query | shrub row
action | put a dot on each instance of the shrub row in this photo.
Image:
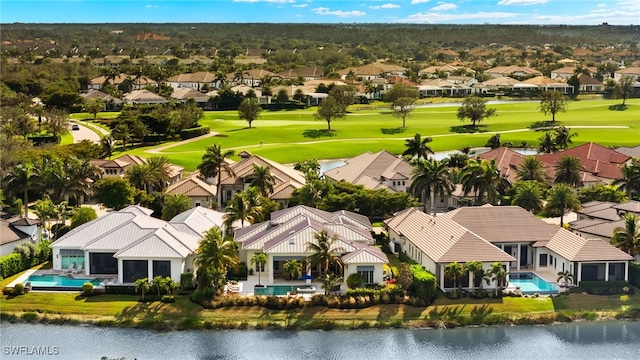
(603, 288)
(285, 105)
(194, 132)
(423, 285)
(44, 139)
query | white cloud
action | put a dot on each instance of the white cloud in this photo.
(300, 6)
(438, 17)
(385, 6)
(151, 6)
(414, 2)
(339, 13)
(602, 5)
(444, 7)
(521, 2)
(632, 5)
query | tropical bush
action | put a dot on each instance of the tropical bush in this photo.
(634, 274)
(355, 280)
(603, 288)
(18, 289)
(87, 289)
(11, 264)
(194, 132)
(186, 281)
(168, 299)
(424, 284)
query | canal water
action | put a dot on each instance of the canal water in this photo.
(583, 340)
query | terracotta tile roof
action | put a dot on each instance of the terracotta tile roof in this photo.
(597, 159)
(188, 93)
(632, 70)
(513, 69)
(507, 161)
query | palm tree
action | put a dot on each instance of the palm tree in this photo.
(454, 271)
(417, 147)
(174, 204)
(329, 281)
(262, 179)
(140, 176)
(159, 283)
(566, 277)
(560, 200)
(159, 167)
(123, 133)
(483, 177)
(528, 195)
(430, 178)
(498, 274)
(242, 207)
(214, 255)
(627, 238)
(141, 285)
(568, 170)
(22, 178)
(547, 144)
(214, 161)
(563, 136)
(292, 269)
(107, 146)
(325, 252)
(531, 168)
(260, 259)
(79, 178)
(630, 180)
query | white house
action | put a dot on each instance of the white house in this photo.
(15, 231)
(130, 244)
(287, 235)
(506, 234)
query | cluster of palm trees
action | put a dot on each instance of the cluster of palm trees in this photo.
(152, 175)
(558, 139)
(455, 271)
(326, 254)
(56, 177)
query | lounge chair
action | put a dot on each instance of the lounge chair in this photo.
(79, 269)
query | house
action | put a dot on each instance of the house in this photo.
(110, 103)
(199, 192)
(513, 70)
(306, 73)
(589, 84)
(506, 159)
(547, 84)
(506, 234)
(381, 170)
(568, 71)
(118, 167)
(130, 244)
(184, 94)
(372, 71)
(143, 97)
(193, 80)
(598, 161)
(136, 83)
(287, 234)
(286, 179)
(15, 231)
(633, 71)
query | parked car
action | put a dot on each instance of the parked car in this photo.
(75, 127)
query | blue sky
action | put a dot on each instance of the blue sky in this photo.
(571, 12)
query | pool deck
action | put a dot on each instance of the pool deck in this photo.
(246, 287)
(544, 275)
(24, 277)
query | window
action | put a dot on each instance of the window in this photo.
(103, 263)
(133, 270)
(543, 259)
(162, 268)
(366, 272)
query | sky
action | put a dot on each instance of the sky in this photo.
(569, 12)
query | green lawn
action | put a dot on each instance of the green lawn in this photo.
(376, 129)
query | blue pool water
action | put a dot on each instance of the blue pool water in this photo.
(531, 283)
(278, 289)
(59, 281)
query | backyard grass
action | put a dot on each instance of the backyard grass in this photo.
(376, 129)
(582, 302)
(66, 139)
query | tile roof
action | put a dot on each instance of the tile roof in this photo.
(192, 186)
(575, 248)
(629, 206)
(9, 234)
(597, 159)
(196, 77)
(597, 227)
(507, 161)
(630, 151)
(442, 240)
(188, 93)
(371, 169)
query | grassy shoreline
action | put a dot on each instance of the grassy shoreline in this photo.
(125, 311)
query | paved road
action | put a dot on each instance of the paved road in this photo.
(85, 132)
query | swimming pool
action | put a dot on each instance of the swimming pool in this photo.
(57, 281)
(277, 289)
(531, 283)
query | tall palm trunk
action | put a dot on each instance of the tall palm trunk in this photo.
(26, 203)
(219, 189)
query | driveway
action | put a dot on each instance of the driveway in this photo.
(86, 133)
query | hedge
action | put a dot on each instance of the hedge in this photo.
(285, 105)
(424, 284)
(603, 287)
(12, 264)
(194, 132)
(45, 139)
(634, 274)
